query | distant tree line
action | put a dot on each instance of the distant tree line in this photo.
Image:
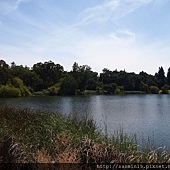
(50, 78)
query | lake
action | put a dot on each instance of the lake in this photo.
(144, 115)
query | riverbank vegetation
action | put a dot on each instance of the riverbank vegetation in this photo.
(49, 78)
(38, 137)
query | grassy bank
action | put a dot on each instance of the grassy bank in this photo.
(37, 137)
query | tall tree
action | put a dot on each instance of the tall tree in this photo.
(83, 75)
(160, 76)
(49, 72)
(68, 86)
(168, 77)
(4, 72)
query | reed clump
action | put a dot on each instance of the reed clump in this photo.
(28, 136)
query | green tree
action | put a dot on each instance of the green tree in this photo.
(84, 76)
(68, 86)
(4, 72)
(168, 77)
(148, 79)
(29, 78)
(34, 81)
(49, 72)
(108, 76)
(160, 76)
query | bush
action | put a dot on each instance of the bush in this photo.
(144, 87)
(154, 89)
(9, 91)
(53, 90)
(99, 90)
(120, 90)
(25, 91)
(165, 89)
(18, 83)
(16, 89)
(110, 88)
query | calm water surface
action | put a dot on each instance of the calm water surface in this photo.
(144, 115)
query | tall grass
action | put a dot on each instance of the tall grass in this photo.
(36, 136)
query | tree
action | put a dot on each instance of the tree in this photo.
(148, 79)
(160, 76)
(68, 86)
(13, 64)
(92, 81)
(4, 72)
(75, 67)
(83, 75)
(108, 76)
(29, 77)
(49, 72)
(168, 77)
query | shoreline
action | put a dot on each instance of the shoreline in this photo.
(37, 137)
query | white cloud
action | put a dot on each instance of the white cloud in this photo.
(119, 52)
(123, 34)
(110, 9)
(8, 6)
(119, 48)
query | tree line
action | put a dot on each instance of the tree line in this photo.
(51, 78)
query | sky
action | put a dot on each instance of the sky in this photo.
(131, 35)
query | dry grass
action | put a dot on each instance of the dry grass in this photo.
(88, 151)
(12, 151)
(47, 138)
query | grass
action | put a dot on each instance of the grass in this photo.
(133, 92)
(38, 137)
(90, 92)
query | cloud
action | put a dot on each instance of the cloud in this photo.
(8, 6)
(110, 10)
(124, 51)
(116, 47)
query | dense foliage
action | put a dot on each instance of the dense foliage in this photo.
(50, 78)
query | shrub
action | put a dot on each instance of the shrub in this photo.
(18, 83)
(165, 89)
(119, 90)
(9, 91)
(25, 91)
(53, 90)
(144, 87)
(154, 89)
(110, 88)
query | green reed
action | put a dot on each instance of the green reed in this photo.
(37, 136)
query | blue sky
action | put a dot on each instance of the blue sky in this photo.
(117, 34)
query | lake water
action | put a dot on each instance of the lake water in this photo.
(144, 115)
